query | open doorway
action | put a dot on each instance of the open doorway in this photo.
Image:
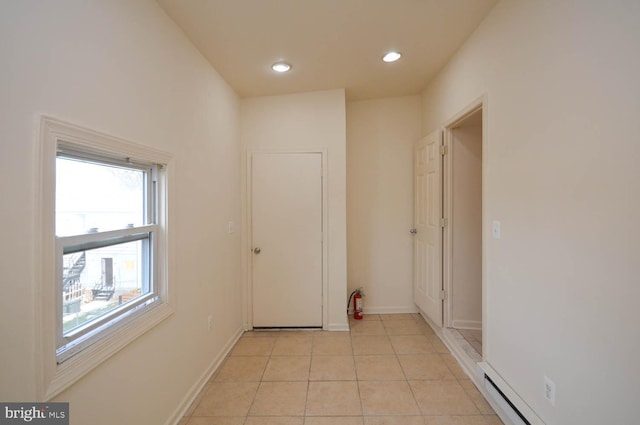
(462, 238)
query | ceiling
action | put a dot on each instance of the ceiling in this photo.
(330, 44)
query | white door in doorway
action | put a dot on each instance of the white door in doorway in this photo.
(286, 232)
(427, 249)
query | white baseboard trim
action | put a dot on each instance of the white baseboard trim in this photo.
(467, 324)
(470, 367)
(193, 392)
(339, 327)
(388, 310)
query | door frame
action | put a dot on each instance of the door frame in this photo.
(447, 204)
(247, 293)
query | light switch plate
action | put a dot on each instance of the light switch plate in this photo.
(496, 230)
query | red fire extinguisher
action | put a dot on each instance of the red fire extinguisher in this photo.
(357, 306)
(357, 303)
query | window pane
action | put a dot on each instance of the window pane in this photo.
(94, 197)
(99, 280)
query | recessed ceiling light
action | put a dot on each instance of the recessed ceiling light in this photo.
(391, 56)
(281, 67)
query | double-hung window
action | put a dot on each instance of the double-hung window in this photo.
(106, 230)
(110, 254)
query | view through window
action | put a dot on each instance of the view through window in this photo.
(105, 224)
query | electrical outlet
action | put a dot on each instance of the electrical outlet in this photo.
(210, 322)
(231, 227)
(550, 391)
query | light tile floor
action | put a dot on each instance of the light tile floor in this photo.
(389, 369)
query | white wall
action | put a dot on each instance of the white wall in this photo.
(122, 68)
(302, 121)
(562, 176)
(466, 227)
(380, 138)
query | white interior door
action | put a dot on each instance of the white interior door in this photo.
(286, 219)
(428, 238)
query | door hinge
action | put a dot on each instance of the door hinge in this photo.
(444, 149)
(443, 295)
(443, 222)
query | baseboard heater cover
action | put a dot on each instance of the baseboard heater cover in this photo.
(511, 404)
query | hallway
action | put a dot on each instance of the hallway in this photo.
(389, 369)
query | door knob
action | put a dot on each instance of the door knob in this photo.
(256, 250)
(414, 231)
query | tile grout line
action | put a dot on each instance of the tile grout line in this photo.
(306, 399)
(355, 370)
(415, 400)
(395, 353)
(255, 395)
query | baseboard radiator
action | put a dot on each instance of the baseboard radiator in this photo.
(515, 409)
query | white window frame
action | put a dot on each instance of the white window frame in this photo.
(64, 360)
